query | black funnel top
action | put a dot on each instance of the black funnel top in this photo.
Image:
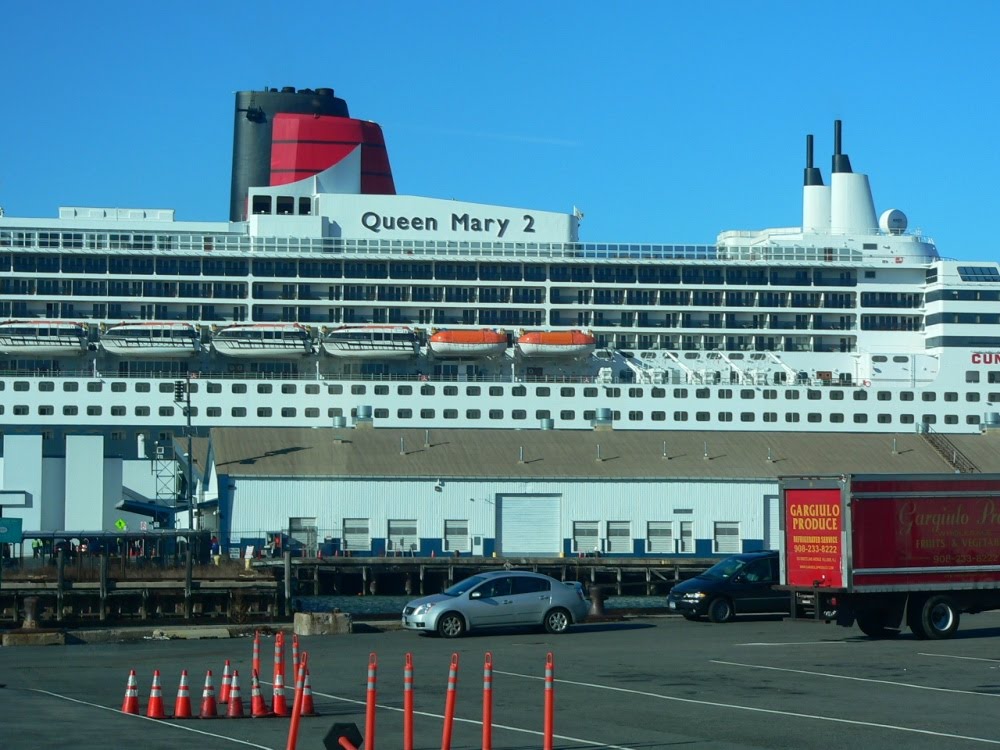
(841, 162)
(812, 174)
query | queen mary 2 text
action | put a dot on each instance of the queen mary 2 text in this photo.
(815, 517)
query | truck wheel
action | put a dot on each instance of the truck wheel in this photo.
(873, 625)
(720, 610)
(939, 617)
(914, 619)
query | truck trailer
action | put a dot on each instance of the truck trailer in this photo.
(884, 550)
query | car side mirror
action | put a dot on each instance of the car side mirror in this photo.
(476, 595)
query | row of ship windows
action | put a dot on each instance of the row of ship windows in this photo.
(566, 415)
(790, 394)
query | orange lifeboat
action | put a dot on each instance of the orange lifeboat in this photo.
(556, 344)
(468, 344)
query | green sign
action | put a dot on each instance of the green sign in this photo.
(10, 530)
(121, 525)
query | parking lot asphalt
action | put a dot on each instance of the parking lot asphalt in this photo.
(640, 684)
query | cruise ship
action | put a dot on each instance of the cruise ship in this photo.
(327, 298)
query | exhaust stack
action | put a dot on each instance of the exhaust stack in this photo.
(815, 195)
(852, 209)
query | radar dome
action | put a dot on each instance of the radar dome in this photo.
(892, 221)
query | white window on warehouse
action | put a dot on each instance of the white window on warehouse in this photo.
(402, 537)
(456, 535)
(660, 537)
(685, 544)
(726, 537)
(356, 535)
(619, 537)
(585, 538)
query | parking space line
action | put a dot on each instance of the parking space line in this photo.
(146, 718)
(754, 709)
(967, 658)
(790, 643)
(857, 679)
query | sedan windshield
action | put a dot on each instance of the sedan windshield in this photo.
(462, 586)
(724, 568)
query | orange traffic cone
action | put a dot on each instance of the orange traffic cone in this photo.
(131, 703)
(208, 708)
(155, 708)
(182, 705)
(279, 706)
(258, 708)
(227, 678)
(307, 697)
(235, 701)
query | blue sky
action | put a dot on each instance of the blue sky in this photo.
(663, 122)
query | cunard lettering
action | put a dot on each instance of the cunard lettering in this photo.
(376, 223)
(986, 358)
(466, 223)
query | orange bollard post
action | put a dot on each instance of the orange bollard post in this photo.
(488, 702)
(408, 703)
(227, 683)
(209, 710)
(131, 703)
(449, 703)
(550, 700)
(295, 654)
(182, 704)
(155, 708)
(293, 726)
(255, 663)
(370, 704)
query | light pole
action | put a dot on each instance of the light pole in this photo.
(182, 395)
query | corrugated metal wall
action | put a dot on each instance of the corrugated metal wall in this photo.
(265, 505)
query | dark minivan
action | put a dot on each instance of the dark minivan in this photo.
(738, 585)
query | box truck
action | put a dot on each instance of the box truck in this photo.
(890, 550)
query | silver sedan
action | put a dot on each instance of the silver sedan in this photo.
(501, 599)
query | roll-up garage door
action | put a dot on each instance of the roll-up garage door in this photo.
(529, 525)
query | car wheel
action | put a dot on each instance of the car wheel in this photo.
(451, 625)
(557, 621)
(939, 617)
(720, 610)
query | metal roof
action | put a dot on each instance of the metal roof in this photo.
(582, 454)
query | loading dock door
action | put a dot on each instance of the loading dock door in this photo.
(529, 525)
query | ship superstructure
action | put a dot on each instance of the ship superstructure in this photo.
(327, 297)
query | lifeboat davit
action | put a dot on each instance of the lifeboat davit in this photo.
(468, 344)
(555, 344)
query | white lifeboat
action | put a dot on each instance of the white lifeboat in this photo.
(469, 344)
(263, 341)
(555, 344)
(371, 342)
(43, 338)
(151, 339)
